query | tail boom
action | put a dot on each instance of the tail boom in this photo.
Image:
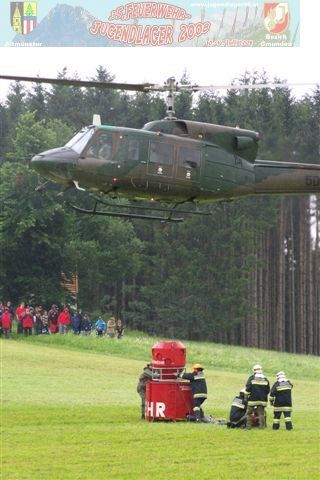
(286, 178)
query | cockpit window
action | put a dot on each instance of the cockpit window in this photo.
(80, 140)
(101, 147)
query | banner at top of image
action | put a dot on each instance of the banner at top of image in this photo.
(181, 23)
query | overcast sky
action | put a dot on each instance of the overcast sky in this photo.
(205, 66)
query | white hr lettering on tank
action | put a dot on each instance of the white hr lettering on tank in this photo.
(158, 407)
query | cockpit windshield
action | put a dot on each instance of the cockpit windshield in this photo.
(80, 140)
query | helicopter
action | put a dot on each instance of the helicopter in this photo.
(169, 161)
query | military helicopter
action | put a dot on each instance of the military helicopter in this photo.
(169, 161)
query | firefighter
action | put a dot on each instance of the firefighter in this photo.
(237, 417)
(144, 378)
(199, 389)
(280, 399)
(257, 390)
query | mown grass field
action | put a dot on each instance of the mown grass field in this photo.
(70, 411)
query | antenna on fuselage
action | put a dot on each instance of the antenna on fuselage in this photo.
(96, 120)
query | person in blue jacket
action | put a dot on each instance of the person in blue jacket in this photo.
(76, 322)
(100, 327)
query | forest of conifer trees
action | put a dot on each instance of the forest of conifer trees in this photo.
(247, 275)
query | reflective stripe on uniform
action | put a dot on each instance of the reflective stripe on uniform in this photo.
(238, 405)
(200, 395)
(275, 420)
(281, 389)
(282, 409)
(287, 419)
(259, 382)
(257, 403)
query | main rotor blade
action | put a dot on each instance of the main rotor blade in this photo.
(257, 86)
(149, 87)
(139, 87)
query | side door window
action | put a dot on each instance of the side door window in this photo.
(160, 159)
(133, 149)
(188, 163)
(136, 159)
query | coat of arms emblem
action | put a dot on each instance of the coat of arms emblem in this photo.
(276, 17)
(23, 17)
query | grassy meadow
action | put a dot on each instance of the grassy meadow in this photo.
(69, 411)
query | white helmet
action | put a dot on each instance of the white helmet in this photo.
(281, 376)
(257, 368)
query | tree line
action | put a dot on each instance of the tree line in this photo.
(248, 275)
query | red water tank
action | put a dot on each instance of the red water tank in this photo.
(168, 398)
(167, 357)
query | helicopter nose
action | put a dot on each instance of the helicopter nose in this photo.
(40, 164)
(56, 164)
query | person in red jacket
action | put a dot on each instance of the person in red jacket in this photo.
(20, 311)
(27, 322)
(64, 320)
(6, 322)
(53, 319)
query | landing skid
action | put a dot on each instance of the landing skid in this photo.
(165, 218)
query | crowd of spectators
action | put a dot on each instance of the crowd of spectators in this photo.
(36, 319)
